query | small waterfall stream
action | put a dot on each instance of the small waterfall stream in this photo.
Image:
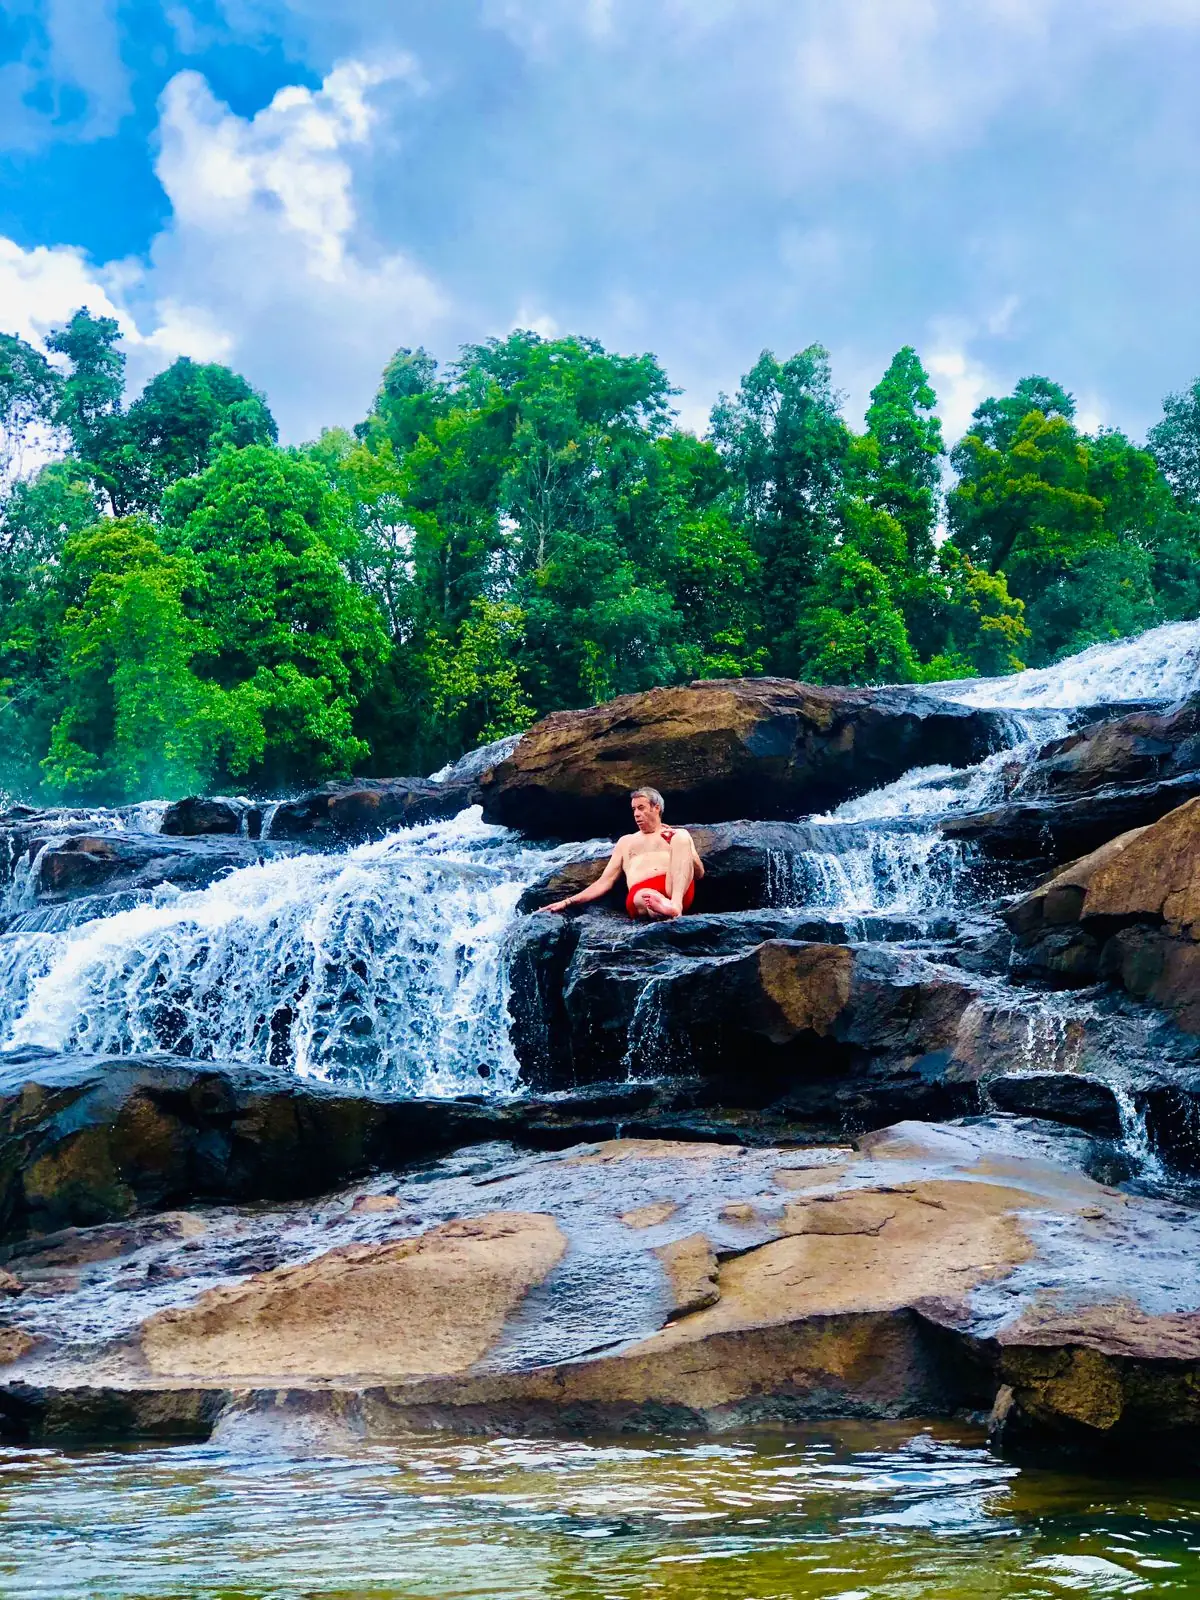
(383, 966)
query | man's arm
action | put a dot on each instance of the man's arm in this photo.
(598, 889)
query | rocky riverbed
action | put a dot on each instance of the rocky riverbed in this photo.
(308, 1112)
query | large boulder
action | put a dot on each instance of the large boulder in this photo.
(596, 997)
(634, 1285)
(1129, 913)
(764, 748)
(86, 1139)
(65, 869)
(1079, 791)
(1144, 747)
(347, 813)
(204, 814)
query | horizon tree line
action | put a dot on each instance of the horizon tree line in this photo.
(185, 604)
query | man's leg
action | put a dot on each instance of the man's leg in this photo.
(680, 873)
(650, 903)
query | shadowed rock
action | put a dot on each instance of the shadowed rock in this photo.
(1129, 913)
(367, 809)
(104, 863)
(761, 748)
(212, 814)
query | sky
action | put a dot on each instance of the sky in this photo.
(298, 187)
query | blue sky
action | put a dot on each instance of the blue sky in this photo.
(299, 186)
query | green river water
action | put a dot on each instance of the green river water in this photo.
(832, 1513)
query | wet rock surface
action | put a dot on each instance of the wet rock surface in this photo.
(761, 748)
(351, 812)
(49, 867)
(86, 1140)
(1129, 913)
(638, 1285)
(203, 814)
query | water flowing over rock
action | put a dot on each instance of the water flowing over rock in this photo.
(1130, 912)
(638, 1285)
(195, 1017)
(765, 748)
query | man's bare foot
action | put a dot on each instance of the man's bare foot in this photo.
(649, 903)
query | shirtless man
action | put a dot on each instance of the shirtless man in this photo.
(660, 864)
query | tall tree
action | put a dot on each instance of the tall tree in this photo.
(268, 536)
(189, 412)
(785, 444)
(1175, 444)
(901, 474)
(30, 392)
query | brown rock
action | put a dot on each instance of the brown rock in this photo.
(14, 1343)
(431, 1305)
(650, 1216)
(691, 1268)
(724, 749)
(1139, 748)
(1133, 908)
(1156, 876)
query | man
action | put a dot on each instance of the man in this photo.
(660, 864)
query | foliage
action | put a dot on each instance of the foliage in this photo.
(183, 603)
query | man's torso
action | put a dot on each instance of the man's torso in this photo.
(646, 856)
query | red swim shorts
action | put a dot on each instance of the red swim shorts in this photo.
(660, 884)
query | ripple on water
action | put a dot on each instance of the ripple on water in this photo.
(826, 1513)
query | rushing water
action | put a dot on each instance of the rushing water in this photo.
(384, 966)
(832, 1513)
(381, 965)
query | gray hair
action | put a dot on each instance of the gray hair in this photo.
(655, 799)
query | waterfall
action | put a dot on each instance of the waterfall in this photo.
(383, 966)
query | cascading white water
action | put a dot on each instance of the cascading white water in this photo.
(910, 870)
(1162, 664)
(383, 966)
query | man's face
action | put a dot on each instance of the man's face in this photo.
(646, 817)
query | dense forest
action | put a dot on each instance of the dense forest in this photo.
(185, 604)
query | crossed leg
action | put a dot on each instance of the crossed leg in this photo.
(680, 873)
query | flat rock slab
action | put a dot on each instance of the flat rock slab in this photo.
(638, 1285)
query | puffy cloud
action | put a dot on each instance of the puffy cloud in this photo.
(262, 263)
(67, 76)
(266, 237)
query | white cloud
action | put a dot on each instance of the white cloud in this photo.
(961, 384)
(69, 77)
(262, 263)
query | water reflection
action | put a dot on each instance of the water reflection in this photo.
(840, 1514)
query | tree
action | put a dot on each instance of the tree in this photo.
(901, 474)
(90, 408)
(785, 445)
(30, 392)
(1083, 527)
(266, 535)
(1175, 444)
(476, 693)
(136, 720)
(189, 412)
(853, 631)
